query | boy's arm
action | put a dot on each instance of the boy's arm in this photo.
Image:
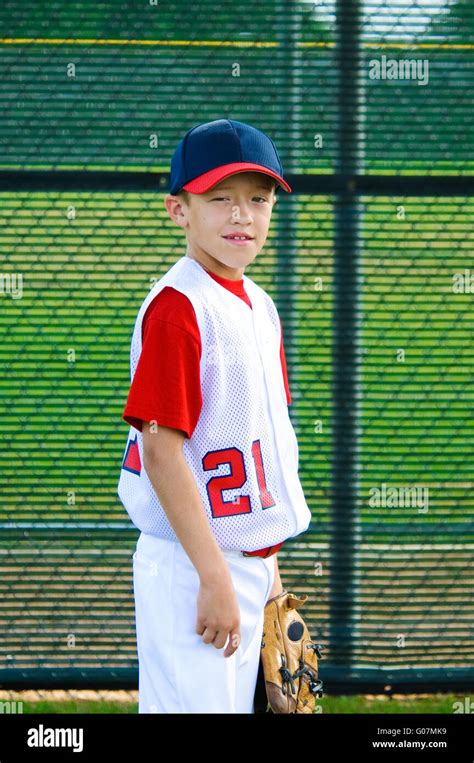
(176, 488)
(218, 614)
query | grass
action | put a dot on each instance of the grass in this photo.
(346, 704)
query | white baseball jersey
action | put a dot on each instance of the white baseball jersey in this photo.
(243, 452)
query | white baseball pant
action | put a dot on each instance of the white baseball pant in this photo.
(178, 672)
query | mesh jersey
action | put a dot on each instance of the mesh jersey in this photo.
(243, 451)
(166, 386)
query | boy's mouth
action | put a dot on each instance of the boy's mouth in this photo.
(240, 239)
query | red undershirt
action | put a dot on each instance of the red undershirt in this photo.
(166, 387)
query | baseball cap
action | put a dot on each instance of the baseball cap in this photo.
(212, 151)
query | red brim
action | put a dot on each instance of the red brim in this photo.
(209, 179)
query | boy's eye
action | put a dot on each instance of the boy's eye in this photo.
(225, 198)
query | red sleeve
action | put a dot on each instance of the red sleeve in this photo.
(166, 387)
(283, 368)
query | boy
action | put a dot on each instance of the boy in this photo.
(210, 471)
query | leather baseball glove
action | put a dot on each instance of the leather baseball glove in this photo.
(288, 656)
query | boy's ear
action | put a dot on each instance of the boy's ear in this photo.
(175, 211)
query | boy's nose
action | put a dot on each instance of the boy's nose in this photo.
(241, 212)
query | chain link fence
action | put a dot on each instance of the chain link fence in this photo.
(369, 261)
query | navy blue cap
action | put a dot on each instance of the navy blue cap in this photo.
(212, 151)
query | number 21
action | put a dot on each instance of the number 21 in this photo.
(237, 478)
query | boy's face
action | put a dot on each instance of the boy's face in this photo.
(240, 204)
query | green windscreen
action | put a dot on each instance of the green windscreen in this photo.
(91, 88)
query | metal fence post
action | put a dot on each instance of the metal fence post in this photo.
(288, 138)
(344, 533)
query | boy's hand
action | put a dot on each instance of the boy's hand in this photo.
(218, 615)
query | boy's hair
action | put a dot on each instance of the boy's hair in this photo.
(186, 195)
